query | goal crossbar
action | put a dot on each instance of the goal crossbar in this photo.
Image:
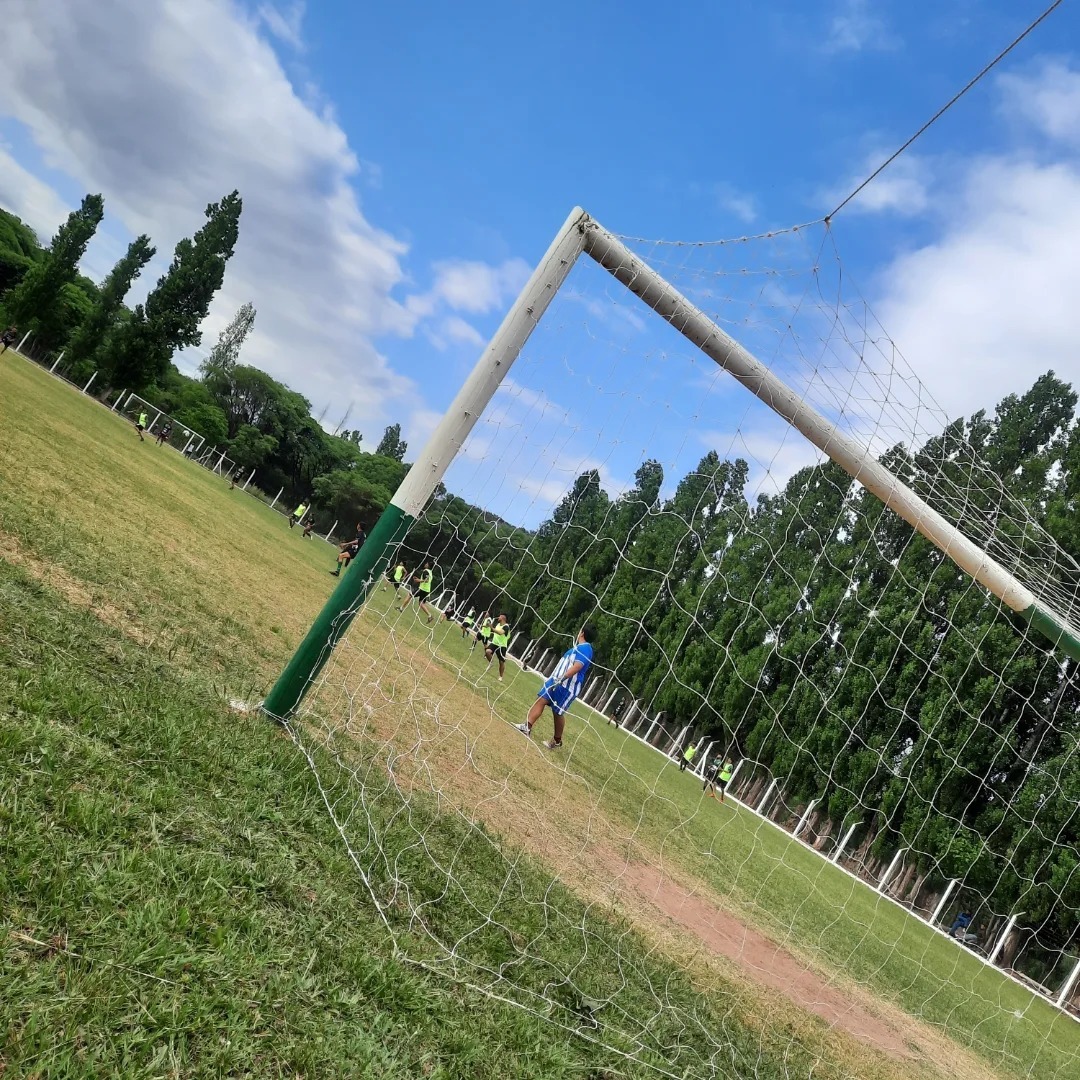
(582, 234)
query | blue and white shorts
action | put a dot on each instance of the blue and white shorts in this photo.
(559, 697)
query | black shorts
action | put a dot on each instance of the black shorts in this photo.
(499, 651)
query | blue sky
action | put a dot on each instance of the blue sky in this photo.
(403, 165)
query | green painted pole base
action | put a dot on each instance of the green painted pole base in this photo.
(338, 613)
(1052, 627)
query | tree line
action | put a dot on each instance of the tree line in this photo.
(819, 636)
(256, 420)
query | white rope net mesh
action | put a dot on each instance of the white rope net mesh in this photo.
(747, 599)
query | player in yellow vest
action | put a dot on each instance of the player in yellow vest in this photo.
(500, 642)
(298, 515)
(483, 633)
(725, 775)
(422, 591)
(467, 622)
(398, 574)
(687, 757)
(713, 780)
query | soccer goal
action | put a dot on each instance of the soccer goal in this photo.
(181, 437)
(860, 614)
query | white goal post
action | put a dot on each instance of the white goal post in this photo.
(583, 234)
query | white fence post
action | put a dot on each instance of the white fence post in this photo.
(765, 798)
(1070, 982)
(607, 704)
(703, 758)
(840, 848)
(652, 728)
(221, 461)
(276, 497)
(805, 817)
(889, 871)
(248, 480)
(734, 773)
(676, 745)
(995, 952)
(57, 360)
(18, 348)
(118, 400)
(943, 901)
(88, 382)
(331, 532)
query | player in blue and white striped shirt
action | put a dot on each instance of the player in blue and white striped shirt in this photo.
(559, 691)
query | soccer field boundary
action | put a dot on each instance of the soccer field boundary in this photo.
(829, 863)
(779, 829)
(83, 390)
(101, 449)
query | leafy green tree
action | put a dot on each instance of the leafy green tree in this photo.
(139, 351)
(19, 250)
(88, 339)
(350, 497)
(205, 418)
(218, 367)
(250, 447)
(392, 445)
(36, 303)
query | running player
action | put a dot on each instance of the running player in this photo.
(422, 591)
(563, 687)
(483, 631)
(500, 641)
(346, 554)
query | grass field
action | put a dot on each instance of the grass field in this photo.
(178, 901)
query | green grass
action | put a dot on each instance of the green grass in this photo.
(834, 922)
(177, 900)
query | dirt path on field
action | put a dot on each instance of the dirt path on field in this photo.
(763, 960)
(441, 742)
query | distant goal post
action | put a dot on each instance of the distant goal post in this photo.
(582, 234)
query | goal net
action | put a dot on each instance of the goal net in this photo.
(816, 809)
(180, 436)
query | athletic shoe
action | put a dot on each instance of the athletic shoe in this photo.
(524, 729)
(335, 573)
(553, 745)
(500, 678)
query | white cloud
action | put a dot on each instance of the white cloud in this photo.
(903, 188)
(1048, 100)
(737, 203)
(455, 328)
(856, 26)
(471, 286)
(27, 197)
(991, 303)
(285, 23)
(165, 106)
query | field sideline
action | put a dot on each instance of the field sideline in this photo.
(137, 595)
